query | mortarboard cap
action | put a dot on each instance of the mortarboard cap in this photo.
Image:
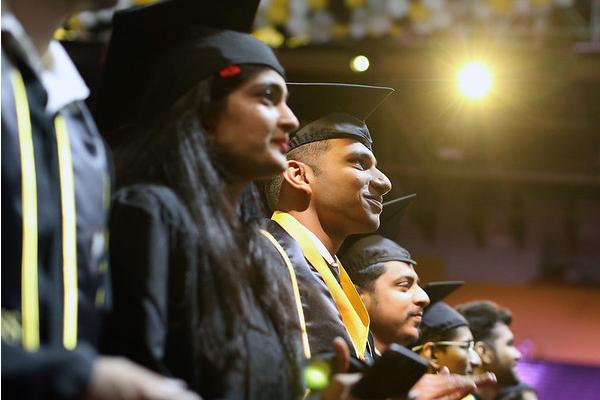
(333, 110)
(438, 316)
(362, 250)
(173, 44)
(438, 291)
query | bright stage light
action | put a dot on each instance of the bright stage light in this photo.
(359, 64)
(475, 80)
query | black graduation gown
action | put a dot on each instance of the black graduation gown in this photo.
(321, 315)
(154, 268)
(50, 371)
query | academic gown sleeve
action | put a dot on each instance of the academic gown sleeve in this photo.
(49, 373)
(141, 236)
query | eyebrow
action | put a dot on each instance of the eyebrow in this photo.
(364, 155)
(408, 277)
(268, 82)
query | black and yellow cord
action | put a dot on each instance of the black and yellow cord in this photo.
(29, 263)
(297, 298)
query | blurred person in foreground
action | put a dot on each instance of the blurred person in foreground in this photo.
(55, 190)
(194, 108)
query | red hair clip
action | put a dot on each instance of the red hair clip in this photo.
(229, 71)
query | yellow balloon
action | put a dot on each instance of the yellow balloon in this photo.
(74, 23)
(502, 7)
(296, 41)
(277, 14)
(317, 5)
(418, 12)
(352, 4)
(269, 35)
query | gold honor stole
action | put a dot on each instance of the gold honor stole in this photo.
(351, 308)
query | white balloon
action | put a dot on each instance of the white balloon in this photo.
(379, 24)
(357, 29)
(521, 7)
(377, 5)
(435, 5)
(398, 8)
(298, 26)
(297, 7)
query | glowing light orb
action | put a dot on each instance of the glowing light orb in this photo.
(475, 80)
(359, 64)
(316, 375)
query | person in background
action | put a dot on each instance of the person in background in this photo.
(494, 342)
(55, 186)
(384, 275)
(446, 341)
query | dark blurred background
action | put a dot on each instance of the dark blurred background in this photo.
(508, 185)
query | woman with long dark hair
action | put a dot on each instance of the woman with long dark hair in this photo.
(195, 293)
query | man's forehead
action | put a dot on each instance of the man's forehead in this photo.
(352, 146)
(502, 331)
(401, 269)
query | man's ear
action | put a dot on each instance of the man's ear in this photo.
(486, 353)
(430, 353)
(299, 176)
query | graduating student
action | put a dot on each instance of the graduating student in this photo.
(495, 344)
(330, 190)
(384, 274)
(55, 186)
(385, 277)
(446, 340)
(196, 109)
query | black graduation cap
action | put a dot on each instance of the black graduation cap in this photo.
(438, 316)
(438, 291)
(362, 250)
(173, 44)
(333, 110)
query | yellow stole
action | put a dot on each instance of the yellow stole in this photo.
(351, 308)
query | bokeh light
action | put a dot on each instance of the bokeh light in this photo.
(475, 80)
(359, 64)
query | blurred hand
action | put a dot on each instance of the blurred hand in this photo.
(485, 379)
(340, 384)
(116, 378)
(442, 386)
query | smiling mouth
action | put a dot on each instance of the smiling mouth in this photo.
(283, 144)
(378, 202)
(417, 316)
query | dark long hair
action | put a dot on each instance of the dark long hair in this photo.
(173, 150)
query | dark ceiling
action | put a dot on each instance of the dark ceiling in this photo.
(539, 125)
